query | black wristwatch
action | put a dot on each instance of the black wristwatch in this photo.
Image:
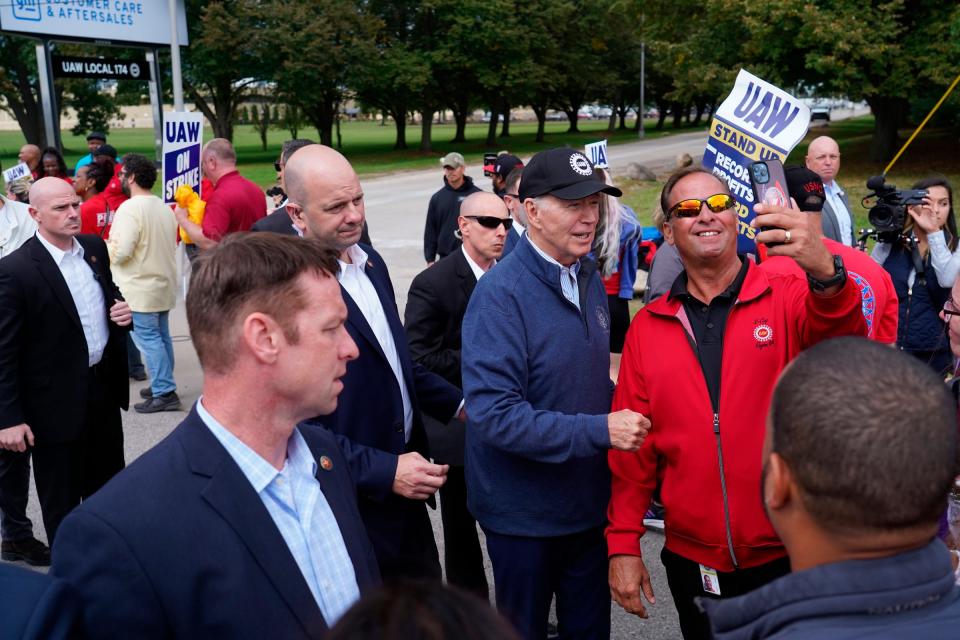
(840, 277)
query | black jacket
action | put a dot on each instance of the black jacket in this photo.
(438, 233)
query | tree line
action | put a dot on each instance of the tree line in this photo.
(405, 57)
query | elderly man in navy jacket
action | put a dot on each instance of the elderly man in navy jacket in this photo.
(536, 362)
(240, 524)
(384, 390)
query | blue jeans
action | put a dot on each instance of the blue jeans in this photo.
(151, 333)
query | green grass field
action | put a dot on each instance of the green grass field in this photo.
(368, 145)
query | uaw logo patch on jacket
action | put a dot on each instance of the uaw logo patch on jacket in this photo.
(603, 318)
(762, 333)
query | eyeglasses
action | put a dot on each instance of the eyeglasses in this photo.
(949, 309)
(492, 222)
(277, 166)
(690, 208)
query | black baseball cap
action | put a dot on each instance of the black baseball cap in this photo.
(806, 187)
(106, 150)
(563, 173)
(505, 164)
(96, 135)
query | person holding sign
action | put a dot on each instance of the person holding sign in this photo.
(235, 205)
(700, 363)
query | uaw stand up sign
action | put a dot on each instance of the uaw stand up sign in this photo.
(757, 121)
(182, 139)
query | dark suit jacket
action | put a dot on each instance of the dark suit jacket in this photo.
(370, 411)
(279, 222)
(43, 352)
(179, 544)
(436, 304)
(35, 607)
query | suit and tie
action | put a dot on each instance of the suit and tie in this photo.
(434, 314)
(371, 413)
(48, 382)
(181, 545)
(829, 220)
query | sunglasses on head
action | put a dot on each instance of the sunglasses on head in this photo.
(492, 222)
(277, 166)
(690, 208)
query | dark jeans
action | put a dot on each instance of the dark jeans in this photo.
(528, 572)
(14, 488)
(686, 584)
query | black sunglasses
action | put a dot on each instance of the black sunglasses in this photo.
(492, 222)
(950, 309)
(277, 166)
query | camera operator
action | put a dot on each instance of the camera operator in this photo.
(923, 263)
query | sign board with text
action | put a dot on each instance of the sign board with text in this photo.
(597, 152)
(138, 22)
(100, 68)
(16, 172)
(182, 140)
(757, 121)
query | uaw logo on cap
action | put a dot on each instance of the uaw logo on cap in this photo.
(580, 164)
(762, 333)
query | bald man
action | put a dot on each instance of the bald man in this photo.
(384, 390)
(435, 308)
(823, 158)
(235, 204)
(63, 360)
(30, 155)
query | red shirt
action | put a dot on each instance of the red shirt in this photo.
(878, 297)
(235, 205)
(93, 216)
(113, 192)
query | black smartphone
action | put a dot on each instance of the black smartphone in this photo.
(769, 186)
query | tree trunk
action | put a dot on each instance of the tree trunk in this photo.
(541, 113)
(426, 130)
(460, 118)
(492, 127)
(677, 111)
(574, 124)
(701, 106)
(888, 114)
(400, 120)
(505, 129)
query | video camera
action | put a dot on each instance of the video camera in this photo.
(890, 211)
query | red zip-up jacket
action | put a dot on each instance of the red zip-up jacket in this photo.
(712, 518)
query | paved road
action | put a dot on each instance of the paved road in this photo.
(396, 209)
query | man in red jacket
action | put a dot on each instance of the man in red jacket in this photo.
(701, 363)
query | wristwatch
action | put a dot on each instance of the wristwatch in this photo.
(840, 277)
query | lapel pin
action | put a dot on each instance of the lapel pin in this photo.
(369, 264)
(93, 259)
(326, 463)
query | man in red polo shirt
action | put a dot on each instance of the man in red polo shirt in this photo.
(235, 204)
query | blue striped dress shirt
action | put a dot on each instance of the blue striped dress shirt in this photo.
(302, 514)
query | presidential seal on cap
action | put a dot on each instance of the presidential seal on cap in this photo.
(563, 173)
(452, 160)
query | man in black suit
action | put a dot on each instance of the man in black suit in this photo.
(435, 307)
(241, 523)
(383, 389)
(63, 360)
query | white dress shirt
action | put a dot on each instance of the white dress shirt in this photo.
(833, 192)
(354, 279)
(87, 296)
(477, 269)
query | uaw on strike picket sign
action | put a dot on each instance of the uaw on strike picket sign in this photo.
(757, 121)
(182, 139)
